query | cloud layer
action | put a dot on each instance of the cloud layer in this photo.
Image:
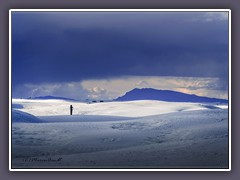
(52, 49)
(63, 47)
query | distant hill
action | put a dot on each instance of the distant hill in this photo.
(165, 95)
(51, 97)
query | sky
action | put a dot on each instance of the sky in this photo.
(102, 55)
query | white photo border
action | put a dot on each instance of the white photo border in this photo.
(117, 10)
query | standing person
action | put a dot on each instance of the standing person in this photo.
(71, 109)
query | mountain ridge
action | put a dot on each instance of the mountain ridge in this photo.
(52, 97)
(165, 95)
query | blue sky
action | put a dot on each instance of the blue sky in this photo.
(92, 54)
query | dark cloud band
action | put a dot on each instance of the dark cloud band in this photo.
(63, 47)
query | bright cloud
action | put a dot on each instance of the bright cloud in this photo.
(70, 90)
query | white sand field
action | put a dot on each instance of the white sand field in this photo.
(133, 134)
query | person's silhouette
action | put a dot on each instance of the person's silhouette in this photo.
(71, 109)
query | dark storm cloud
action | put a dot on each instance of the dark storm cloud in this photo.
(63, 47)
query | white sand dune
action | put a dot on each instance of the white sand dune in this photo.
(139, 108)
(19, 116)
